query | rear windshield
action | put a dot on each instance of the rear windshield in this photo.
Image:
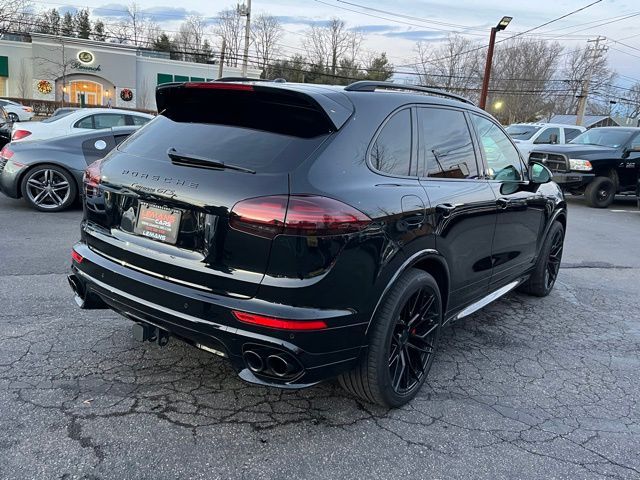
(522, 132)
(603, 137)
(55, 118)
(254, 149)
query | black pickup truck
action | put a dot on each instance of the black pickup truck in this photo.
(598, 163)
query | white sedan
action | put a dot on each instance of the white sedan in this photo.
(16, 111)
(81, 120)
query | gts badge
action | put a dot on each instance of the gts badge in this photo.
(159, 191)
(168, 181)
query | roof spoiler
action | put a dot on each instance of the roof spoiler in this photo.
(333, 105)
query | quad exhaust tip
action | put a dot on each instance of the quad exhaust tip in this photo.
(279, 365)
(254, 361)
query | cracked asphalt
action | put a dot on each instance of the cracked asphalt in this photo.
(526, 388)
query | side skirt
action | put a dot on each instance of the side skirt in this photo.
(484, 301)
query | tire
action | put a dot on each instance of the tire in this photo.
(601, 192)
(400, 337)
(49, 188)
(547, 267)
(13, 117)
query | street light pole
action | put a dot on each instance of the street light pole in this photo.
(247, 36)
(502, 24)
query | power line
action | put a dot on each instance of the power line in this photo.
(513, 36)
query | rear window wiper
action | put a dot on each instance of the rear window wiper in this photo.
(192, 160)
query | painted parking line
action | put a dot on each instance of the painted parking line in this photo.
(626, 211)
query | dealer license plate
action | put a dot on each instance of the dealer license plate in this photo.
(158, 223)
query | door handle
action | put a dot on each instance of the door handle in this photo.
(445, 209)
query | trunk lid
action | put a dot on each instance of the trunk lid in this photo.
(168, 216)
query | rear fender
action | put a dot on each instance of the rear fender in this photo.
(429, 260)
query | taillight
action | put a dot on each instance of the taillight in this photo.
(19, 134)
(93, 174)
(27, 109)
(296, 215)
(76, 257)
(279, 323)
(6, 152)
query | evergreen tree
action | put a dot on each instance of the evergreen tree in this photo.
(379, 68)
(98, 32)
(162, 43)
(67, 29)
(206, 52)
(49, 22)
(82, 23)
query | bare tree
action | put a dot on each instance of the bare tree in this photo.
(631, 101)
(143, 94)
(328, 45)
(190, 39)
(56, 64)
(14, 15)
(133, 29)
(521, 79)
(266, 32)
(230, 31)
(453, 65)
(573, 73)
(24, 89)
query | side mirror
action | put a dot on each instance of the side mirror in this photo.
(539, 173)
(553, 138)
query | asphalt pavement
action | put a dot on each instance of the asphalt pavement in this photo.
(526, 388)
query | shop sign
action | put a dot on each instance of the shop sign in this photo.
(79, 66)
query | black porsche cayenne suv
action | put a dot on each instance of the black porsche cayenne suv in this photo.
(307, 232)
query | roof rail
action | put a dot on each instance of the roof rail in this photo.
(371, 86)
(242, 79)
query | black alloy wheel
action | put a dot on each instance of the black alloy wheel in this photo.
(48, 188)
(554, 259)
(403, 339)
(13, 118)
(412, 343)
(545, 273)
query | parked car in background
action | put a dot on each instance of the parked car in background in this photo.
(48, 173)
(16, 111)
(5, 127)
(63, 111)
(528, 135)
(597, 163)
(81, 120)
(307, 232)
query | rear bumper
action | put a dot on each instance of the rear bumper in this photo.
(9, 176)
(204, 319)
(573, 179)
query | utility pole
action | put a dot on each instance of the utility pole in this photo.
(247, 34)
(221, 66)
(584, 94)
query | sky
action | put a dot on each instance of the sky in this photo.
(430, 21)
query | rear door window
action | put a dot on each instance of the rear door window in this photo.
(392, 150)
(445, 144)
(108, 120)
(86, 122)
(548, 135)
